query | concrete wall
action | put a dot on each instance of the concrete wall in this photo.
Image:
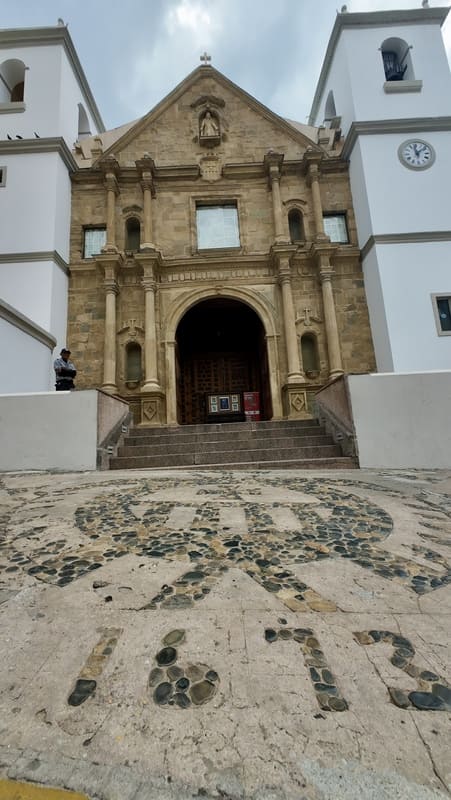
(402, 421)
(57, 430)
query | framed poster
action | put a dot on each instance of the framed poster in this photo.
(224, 402)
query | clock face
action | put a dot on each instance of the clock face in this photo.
(416, 154)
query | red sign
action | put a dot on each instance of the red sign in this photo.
(251, 402)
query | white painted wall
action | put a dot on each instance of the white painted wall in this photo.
(402, 421)
(28, 288)
(376, 309)
(400, 200)
(408, 275)
(35, 195)
(339, 82)
(429, 63)
(357, 75)
(25, 364)
(51, 95)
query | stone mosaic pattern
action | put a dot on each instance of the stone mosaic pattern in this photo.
(433, 693)
(86, 683)
(177, 685)
(324, 682)
(268, 542)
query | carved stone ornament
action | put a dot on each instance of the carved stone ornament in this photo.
(308, 317)
(210, 168)
(209, 129)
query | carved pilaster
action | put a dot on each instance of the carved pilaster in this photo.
(146, 168)
(273, 163)
(149, 265)
(110, 169)
(109, 267)
(323, 256)
(282, 260)
(312, 160)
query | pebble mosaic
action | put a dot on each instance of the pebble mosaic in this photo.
(86, 682)
(433, 692)
(329, 522)
(324, 683)
(177, 685)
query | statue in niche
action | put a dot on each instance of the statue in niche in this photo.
(209, 125)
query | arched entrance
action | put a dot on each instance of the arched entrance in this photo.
(220, 350)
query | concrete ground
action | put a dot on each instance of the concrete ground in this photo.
(274, 635)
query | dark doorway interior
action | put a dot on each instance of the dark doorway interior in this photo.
(221, 348)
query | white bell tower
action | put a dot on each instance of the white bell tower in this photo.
(45, 106)
(386, 75)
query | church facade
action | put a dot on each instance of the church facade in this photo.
(214, 254)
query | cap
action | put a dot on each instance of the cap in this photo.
(64, 350)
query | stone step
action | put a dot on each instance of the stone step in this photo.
(232, 457)
(341, 462)
(220, 427)
(136, 446)
(222, 435)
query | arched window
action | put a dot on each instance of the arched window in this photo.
(330, 111)
(397, 60)
(309, 350)
(83, 123)
(132, 235)
(133, 365)
(12, 81)
(296, 225)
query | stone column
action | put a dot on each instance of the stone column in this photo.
(330, 317)
(110, 168)
(273, 163)
(171, 385)
(152, 396)
(146, 168)
(109, 354)
(313, 160)
(150, 337)
(294, 364)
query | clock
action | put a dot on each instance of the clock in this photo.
(416, 154)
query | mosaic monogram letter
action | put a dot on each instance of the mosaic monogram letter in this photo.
(177, 685)
(431, 695)
(324, 683)
(86, 683)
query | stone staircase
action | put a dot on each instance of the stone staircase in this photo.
(301, 444)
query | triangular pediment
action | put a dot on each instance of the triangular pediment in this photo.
(171, 133)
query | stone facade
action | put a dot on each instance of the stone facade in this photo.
(127, 302)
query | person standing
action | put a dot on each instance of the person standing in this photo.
(65, 372)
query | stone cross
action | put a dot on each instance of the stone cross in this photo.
(205, 58)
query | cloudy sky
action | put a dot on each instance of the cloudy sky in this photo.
(135, 52)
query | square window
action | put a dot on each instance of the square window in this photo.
(217, 226)
(335, 228)
(94, 240)
(2, 176)
(442, 310)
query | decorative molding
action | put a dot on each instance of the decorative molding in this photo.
(404, 238)
(400, 87)
(376, 127)
(51, 144)
(415, 16)
(26, 325)
(208, 99)
(42, 255)
(32, 37)
(12, 107)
